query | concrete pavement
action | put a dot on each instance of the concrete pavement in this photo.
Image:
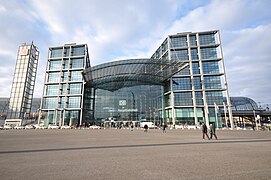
(124, 154)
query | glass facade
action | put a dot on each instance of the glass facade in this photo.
(192, 94)
(182, 83)
(242, 104)
(64, 88)
(137, 103)
(130, 90)
(23, 82)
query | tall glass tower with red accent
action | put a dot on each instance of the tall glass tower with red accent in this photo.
(23, 82)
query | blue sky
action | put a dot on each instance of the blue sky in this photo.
(135, 28)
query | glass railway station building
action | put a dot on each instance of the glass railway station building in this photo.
(183, 82)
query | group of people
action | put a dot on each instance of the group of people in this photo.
(211, 130)
(205, 131)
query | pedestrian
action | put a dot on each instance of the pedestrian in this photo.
(204, 130)
(132, 126)
(212, 131)
(145, 128)
(164, 127)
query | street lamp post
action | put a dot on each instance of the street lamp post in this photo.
(133, 113)
(255, 120)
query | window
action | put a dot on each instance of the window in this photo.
(185, 114)
(184, 71)
(76, 76)
(167, 100)
(77, 63)
(212, 82)
(164, 46)
(193, 41)
(65, 76)
(196, 68)
(64, 89)
(199, 100)
(78, 51)
(214, 97)
(50, 103)
(62, 102)
(197, 82)
(210, 67)
(206, 39)
(181, 55)
(194, 54)
(178, 42)
(67, 52)
(52, 90)
(183, 99)
(65, 64)
(56, 52)
(208, 53)
(75, 88)
(53, 77)
(74, 102)
(181, 83)
(55, 65)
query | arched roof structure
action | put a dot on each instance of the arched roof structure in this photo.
(131, 72)
(243, 103)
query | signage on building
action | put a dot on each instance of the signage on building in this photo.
(122, 102)
(23, 51)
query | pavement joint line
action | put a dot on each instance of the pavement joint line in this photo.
(136, 146)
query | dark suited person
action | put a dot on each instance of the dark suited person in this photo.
(204, 130)
(212, 131)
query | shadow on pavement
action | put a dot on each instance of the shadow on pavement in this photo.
(228, 141)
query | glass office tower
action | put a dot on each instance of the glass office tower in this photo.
(23, 82)
(196, 93)
(64, 88)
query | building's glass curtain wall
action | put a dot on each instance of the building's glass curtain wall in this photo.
(135, 103)
(23, 82)
(130, 90)
(192, 95)
(139, 89)
(64, 89)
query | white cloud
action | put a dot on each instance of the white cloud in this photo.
(18, 25)
(249, 64)
(2, 9)
(224, 15)
(109, 27)
(130, 29)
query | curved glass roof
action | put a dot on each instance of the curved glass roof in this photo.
(242, 103)
(131, 72)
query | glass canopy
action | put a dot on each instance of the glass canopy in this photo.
(115, 75)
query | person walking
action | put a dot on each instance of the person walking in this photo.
(212, 131)
(204, 130)
(146, 128)
(132, 126)
(164, 127)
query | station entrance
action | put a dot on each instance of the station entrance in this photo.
(134, 104)
(129, 90)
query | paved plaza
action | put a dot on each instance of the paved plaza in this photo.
(124, 154)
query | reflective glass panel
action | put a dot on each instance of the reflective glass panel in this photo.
(76, 88)
(183, 99)
(56, 53)
(181, 83)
